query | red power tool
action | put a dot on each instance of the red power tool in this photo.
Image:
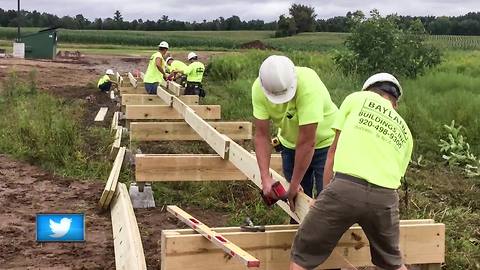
(279, 191)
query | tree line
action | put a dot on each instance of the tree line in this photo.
(301, 18)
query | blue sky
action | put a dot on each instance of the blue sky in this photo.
(268, 10)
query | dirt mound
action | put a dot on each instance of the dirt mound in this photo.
(256, 44)
(26, 190)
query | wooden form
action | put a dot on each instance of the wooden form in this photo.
(145, 99)
(177, 131)
(101, 114)
(111, 184)
(118, 140)
(132, 79)
(132, 90)
(175, 88)
(185, 167)
(115, 118)
(422, 243)
(142, 75)
(217, 239)
(126, 236)
(165, 112)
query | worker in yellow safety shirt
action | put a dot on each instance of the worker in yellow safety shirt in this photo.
(105, 83)
(298, 104)
(174, 67)
(369, 155)
(194, 73)
(156, 69)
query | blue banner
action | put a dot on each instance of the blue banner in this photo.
(60, 227)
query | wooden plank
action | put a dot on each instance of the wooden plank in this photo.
(165, 112)
(145, 99)
(246, 162)
(114, 125)
(142, 75)
(127, 243)
(165, 96)
(289, 227)
(217, 239)
(181, 131)
(118, 138)
(112, 180)
(131, 90)
(162, 168)
(175, 88)
(101, 114)
(164, 84)
(117, 77)
(419, 244)
(213, 134)
(132, 79)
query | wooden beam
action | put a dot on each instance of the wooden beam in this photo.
(165, 112)
(114, 125)
(217, 239)
(181, 131)
(163, 168)
(145, 99)
(111, 184)
(117, 77)
(164, 84)
(127, 242)
(246, 162)
(212, 134)
(101, 114)
(118, 139)
(165, 96)
(419, 244)
(142, 75)
(175, 88)
(132, 79)
(132, 90)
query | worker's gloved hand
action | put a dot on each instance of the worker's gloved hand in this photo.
(292, 194)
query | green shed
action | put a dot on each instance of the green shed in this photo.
(41, 45)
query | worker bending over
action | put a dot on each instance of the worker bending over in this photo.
(300, 107)
(156, 69)
(370, 154)
(174, 67)
(194, 72)
(105, 83)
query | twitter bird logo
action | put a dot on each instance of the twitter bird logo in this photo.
(60, 229)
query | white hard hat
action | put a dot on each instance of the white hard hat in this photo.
(278, 79)
(168, 59)
(191, 55)
(109, 72)
(163, 44)
(382, 77)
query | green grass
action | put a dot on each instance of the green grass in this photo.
(46, 131)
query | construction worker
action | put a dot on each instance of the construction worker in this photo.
(105, 82)
(174, 67)
(156, 69)
(194, 72)
(299, 105)
(370, 154)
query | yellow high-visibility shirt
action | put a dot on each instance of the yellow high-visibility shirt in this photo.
(194, 72)
(176, 65)
(153, 75)
(105, 78)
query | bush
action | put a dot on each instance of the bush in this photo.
(378, 44)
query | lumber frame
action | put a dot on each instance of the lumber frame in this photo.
(132, 79)
(118, 138)
(165, 112)
(111, 184)
(126, 236)
(184, 167)
(217, 239)
(146, 99)
(422, 243)
(177, 131)
(115, 118)
(101, 114)
(132, 90)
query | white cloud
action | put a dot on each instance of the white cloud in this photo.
(267, 10)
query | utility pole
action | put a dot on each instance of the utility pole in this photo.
(18, 22)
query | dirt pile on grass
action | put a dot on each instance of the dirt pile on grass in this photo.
(256, 44)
